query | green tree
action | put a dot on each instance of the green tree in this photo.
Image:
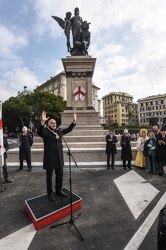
(153, 121)
(21, 111)
(15, 113)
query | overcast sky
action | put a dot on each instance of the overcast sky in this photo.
(127, 38)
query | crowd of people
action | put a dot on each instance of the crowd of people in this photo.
(151, 149)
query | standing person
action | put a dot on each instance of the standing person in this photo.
(155, 130)
(150, 154)
(26, 142)
(29, 131)
(140, 158)
(111, 141)
(126, 154)
(161, 150)
(5, 171)
(53, 152)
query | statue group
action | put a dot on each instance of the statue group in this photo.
(80, 32)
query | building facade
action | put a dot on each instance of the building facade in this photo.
(152, 107)
(120, 108)
(55, 85)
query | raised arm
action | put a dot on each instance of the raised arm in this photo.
(44, 118)
(74, 118)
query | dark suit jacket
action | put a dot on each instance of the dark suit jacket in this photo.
(111, 145)
(26, 142)
(53, 148)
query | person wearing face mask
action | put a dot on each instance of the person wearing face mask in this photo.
(26, 142)
(150, 154)
(126, 154)
(53, 153)
(140, 158)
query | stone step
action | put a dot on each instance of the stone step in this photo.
(75, 132)
(95, 164)
(75, 145)
(78, 138)
(79, 154)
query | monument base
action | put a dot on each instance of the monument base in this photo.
(43, 212)
(85, 118)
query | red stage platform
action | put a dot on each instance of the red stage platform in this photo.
(43, 212)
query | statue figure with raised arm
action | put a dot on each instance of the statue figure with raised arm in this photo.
(80, 32)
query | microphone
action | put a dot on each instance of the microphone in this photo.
(60, 130)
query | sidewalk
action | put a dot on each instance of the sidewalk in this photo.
(106, 221)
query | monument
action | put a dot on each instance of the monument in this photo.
(79, 69)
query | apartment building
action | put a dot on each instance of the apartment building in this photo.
(55, 85)
(120, 108)
(152, 106)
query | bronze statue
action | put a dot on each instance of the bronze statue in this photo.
(80, 32)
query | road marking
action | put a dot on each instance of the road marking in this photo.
(139, 236)
(20, 239)
(136, 191)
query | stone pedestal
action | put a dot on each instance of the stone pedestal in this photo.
(86, 119)
(79, 71)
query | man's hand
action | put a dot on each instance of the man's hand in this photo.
(44, 119)
(75, 117)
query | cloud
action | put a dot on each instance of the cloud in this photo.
(10, 41)
(127, 38)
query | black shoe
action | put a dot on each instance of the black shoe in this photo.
(30, 169)
(8, 180)
(51, 197)
(130, 168)
(113, 167)
(160, 174)
(108, 168)
(61, 194)
(19, 169)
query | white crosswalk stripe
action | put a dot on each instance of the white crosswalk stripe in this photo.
(20, 239)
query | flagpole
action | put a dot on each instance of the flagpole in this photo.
(1, 148)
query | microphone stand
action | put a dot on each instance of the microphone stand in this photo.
(72, 219)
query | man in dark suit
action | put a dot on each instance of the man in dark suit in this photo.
(53, 152)
(111, 141)
(161, 150)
